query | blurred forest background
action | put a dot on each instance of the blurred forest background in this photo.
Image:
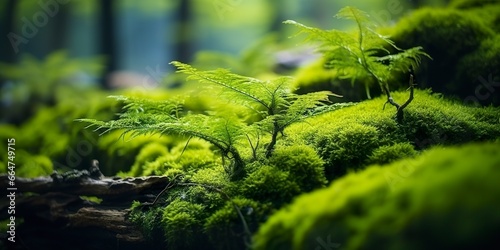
(137, 39)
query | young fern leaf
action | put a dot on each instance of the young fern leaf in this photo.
(142, 117)
(363, 55)
(273, 100)
(243, 90)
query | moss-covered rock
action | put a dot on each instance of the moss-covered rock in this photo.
(467, 4)
(350, 138)
(461, 39)
(443, 199)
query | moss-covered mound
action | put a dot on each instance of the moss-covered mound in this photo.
(447, 198)
(463, 42)
(204, 210)
(353, 137)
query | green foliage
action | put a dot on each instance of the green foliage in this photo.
(256, 60)
(148, 153)
(181, 222)
(346, 141)
(461, 40)
(481, 69)
(291, 170)
(225, 227)
(362, 55)
(41, 82)
(50, 139)
(466, 4)
(389, 153)
(347, 148)
(184, 159)
(316, 77)
(149, 222)
(30, 166)
(304, 165)
(142, 117)
(442, 199)
(270, 184)
(272, 100)
(120, 152)
(210, 176)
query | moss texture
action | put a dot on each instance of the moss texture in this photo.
(442, 199)
(321, 149)
(462, 40)
(351, 138)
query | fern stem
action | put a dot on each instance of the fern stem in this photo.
(238, 169)
(400, 114)
(367, 90)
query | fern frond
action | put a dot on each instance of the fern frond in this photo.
(405, 60)
(363, 55)
(242, 86)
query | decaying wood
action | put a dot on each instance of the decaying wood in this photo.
(107, 188)
(56, 215)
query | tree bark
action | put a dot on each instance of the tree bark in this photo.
(182, 45)
(8, 54)
(108, 39)
(54, 214)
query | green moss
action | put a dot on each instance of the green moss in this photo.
(149, 222)
(347, 147)
(315, 77)
(149, 153)
(346, 138)
(120, 152)
(444, 199)
(303, 164)
(182, 225)
(462, 41)
(467, 4)
(444, 33)
(225, 228)
(210, 175)
(481, 74)
(28, 165)
(268, 183)
(183, 159)
(52, 139)
(389, 153)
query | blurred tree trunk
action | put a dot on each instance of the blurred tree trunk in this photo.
(7, 53)
(182, 46)
(279, 9)
(108, 39)
(59, 31)
(7, 25)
